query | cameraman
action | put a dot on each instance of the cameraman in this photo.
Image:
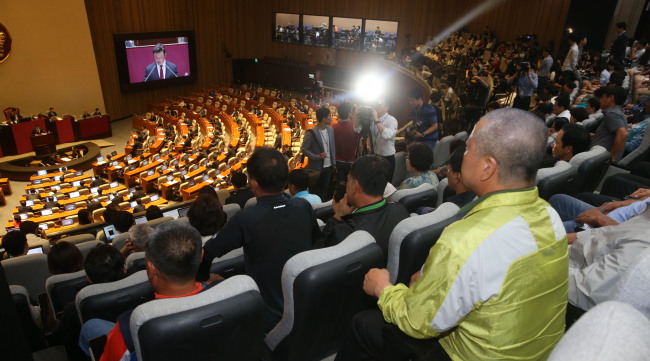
(526, 84)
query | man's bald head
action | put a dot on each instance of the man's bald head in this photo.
(516, 139)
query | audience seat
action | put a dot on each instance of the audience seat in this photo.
(639, 154)
(225, 322)
(251, 202)
(29, 271)
(158, 221)
(441, 151)
(32, 331)
(323, 211)
(63, 288)
(400, 168)
(592, 166)
(556, 182)
(461, 136)
(444, 183)
(135, 261)
(108, 300)
(85, 247)
(412, 238)
(413, 198)
(231, 209)
(610, 331)
(223, 194)
(97, 215)
(322, 292)
(120, 240)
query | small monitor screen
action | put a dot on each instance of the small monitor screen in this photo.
(110, 232)
(183, 172)
(154, 197)
(182, 212)
(128, 158)
(115, 163)
(145, 163)
(100, 159)
(94, 190)
(206, 177)
(56, 188)
(132, 190)
(57, 178)
(55, 199)
(74, 194)
(114, 184)
(67, 222)
(76, 184)
(150, 173)
(164, 167)
(46, 212)
(41, 172)
(37, 181)
(110, 196)
(192, 183)
(114, 153)
(194, 151)
(34, 250)
(170, 178)
(134, 204)
(78, 174)
(23, 216)
(141, 220)
(157, 157)
(29, 203)
(132, 167)
(70, 207)
(44, 226)
(166, 152)
(173, 213)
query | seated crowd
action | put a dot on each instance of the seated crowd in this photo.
(497, 282)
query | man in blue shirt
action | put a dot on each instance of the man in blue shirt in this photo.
(423, 116)
(526, 84)
(297, 182)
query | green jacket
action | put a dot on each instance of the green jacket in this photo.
(494, 286)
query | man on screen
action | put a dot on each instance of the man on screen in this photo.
(161, 68)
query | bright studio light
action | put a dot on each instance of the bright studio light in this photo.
(370, 87)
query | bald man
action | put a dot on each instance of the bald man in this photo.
(495, 284)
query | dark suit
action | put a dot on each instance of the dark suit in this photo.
(51, 114)
(151, 72)
(37, 131)
(312, 147)
(618, 47)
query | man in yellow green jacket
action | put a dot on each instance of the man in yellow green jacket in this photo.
(494, 286)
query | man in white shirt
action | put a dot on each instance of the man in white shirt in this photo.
(383, 130)
(570, 64)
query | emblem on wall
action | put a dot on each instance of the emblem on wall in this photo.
(5, 43)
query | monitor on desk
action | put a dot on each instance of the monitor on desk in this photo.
(154, 197)
(74, 194)
(29, 203)
(70, 207)
(41, 172)
(94, 190)
(76, 184)
(23, 216)
(132, 167)
(163, 168)
(110, 232)
(46, 212)
(133, 204)
(37, 181)
(128, 157)
(166, 152)
(67, 222)
(78, 173)
(183, 172)
(100, 159)
(175, 161)
(192, 183)
(114, 153)
(156, 157)
(110, 197)
(132, 190)
(35, 250)
(115, 163)
(44, 226)
(150, 173)
(57, 178)
(173, 213)
(170, 178)
(114, 184)
(182, 212)
(206, 177)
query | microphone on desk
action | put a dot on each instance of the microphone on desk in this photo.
(168, 68)
(147, 77)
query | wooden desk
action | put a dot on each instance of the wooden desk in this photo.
(6, 186)
(166, 188)
(98, 167)
(192, 192)
(49, 175)
(55, 183)
(132, 175)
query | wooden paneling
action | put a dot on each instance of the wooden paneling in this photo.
(242, 29)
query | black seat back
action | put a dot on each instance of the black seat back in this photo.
(590, 173)
(426, 198)
(555, 183)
